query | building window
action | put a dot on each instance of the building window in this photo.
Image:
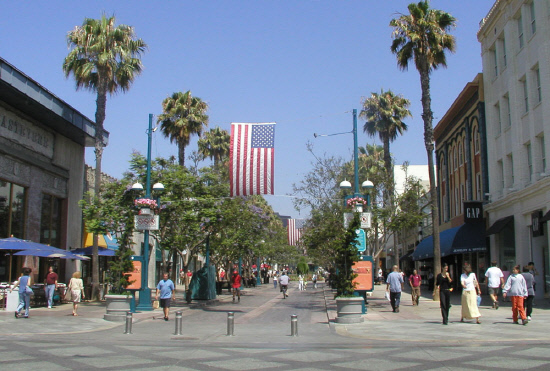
(495, 61)
(456, 202)
(529, 162)
(462, 198)
(50, 222)
(511, 180)
(537, 83)
(476, 141)
(523, 83)
(520, 31)
(508, 109)
(504, 61)
(460, 156)
(500, 166)
(12, 210)
(542, 154)
(455, 159)
(498, 127)
(478, 187)
(533, 20)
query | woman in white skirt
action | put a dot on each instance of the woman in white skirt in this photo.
(76, 286)
(470, 288)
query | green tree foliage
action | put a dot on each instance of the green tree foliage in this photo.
(215, 145)
(346, 255)
(104, 58)
(302, 267)
(423, 36)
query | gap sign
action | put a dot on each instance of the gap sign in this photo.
(360, 240)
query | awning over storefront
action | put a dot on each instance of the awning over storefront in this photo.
(458, 240)
(499, 225)
(107, 241)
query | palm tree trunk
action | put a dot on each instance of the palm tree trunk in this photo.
(427, 116)
(181, 154)
(101, 104)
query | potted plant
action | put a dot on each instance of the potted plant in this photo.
(349, 308)
(146, 206)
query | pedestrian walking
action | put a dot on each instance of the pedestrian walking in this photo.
(516, 289)
(506, 274)
(300, 283)
(415, 280)
(535, 273)
(314, 280)
(166, 291)
(236, 285)
(470, 290)
(443, 283)
(495, 282)
(394, 285)
(274, 281)
(530, 282)
(51, 285)
(25, 292)
(76, 289)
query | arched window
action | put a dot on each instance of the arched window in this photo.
(460, 155)
(476, 141)
(455, 159)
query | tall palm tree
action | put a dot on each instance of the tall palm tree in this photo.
(183, 116)
(385, 113)
(423, 36)
(215, 144)
(103, 58)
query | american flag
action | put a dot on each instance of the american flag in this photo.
(251, 159)
(295, 230)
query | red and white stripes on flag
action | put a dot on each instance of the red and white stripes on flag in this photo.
(251, 159)
(295, 230)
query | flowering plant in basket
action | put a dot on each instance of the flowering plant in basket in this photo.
(352, 202)
(145, 203)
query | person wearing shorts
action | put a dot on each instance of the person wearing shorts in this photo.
(167, 291)
(495, 282)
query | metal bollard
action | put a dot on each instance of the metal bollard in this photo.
(294, 325)
(230, 323)
(179, 324)
(128, 329)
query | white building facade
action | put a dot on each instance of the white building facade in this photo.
(515, 42)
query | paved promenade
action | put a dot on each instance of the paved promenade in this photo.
(414, 339)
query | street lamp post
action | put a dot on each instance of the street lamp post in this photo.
(145, 291)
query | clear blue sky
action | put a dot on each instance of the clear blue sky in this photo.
(302, 64)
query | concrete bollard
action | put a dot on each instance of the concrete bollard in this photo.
(230, 323)
(128, 329)
(294, 325)
(179, 324)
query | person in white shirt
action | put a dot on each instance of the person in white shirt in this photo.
(495, 282)
(470, 288)
(283, 281)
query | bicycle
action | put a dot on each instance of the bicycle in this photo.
(284, 288)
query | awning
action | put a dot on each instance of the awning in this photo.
(458, 240)
(546, 217)
(107, 241)
(499, 225)
(407, 256)
(101, 251)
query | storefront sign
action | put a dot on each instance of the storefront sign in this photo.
(25, 133)
(473, 212)
(146, 222)
(536, 225)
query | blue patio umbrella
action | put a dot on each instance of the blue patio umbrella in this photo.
(13, 245)
(57, 253)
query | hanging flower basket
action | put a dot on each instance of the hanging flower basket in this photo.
(145, 203)
(356, 201)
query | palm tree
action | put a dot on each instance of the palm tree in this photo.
(183, 116)
(215, 144)
(104, 59)
(423, 36)
(385, 113)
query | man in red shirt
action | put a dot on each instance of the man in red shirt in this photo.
(51, 284)
(415, 280)
(236, 285)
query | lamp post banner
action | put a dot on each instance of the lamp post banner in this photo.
(146, 222)
(366, 220)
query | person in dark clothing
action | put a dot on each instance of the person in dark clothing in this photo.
(530, 281)
(443, 283)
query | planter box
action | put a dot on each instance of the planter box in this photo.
(117, 306)
(349, 310)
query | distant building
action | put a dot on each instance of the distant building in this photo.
(515, 44)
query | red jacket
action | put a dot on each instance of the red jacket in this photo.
(236, 281)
